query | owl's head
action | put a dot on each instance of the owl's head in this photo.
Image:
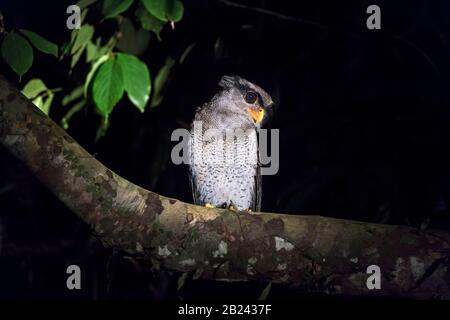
(246, 98)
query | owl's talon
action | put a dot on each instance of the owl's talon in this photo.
(231, 207)
(209, 205)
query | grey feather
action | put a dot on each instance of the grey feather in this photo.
(226, 170)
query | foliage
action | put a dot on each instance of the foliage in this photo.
(39, 94)
(17, 52)
(109, 64)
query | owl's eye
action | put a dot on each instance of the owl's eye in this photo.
(251, 97)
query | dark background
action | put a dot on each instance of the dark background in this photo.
(363, 117)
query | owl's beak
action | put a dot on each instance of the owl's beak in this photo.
(257, 113)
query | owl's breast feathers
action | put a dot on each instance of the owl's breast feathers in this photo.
(224, 169)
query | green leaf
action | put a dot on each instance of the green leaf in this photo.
(82, 38)
(68, 46)
(112, 8)
(175, 10)
(165, 10)
(34, 88)
(136, 79)
(92, 51)
(43, 102)
(265, 292)
(156, 8)
(47, 103)
(160, 81)
(64, 49)
(17, 52)
(39, 94)
(91, 73)
(85, 3)
(41, 43)
(76, 57)
(38, 102)
(149, 22)
(83, 35)
(132, 41)
(108, 86)
(95, 50)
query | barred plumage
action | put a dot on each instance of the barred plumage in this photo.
(223, 149)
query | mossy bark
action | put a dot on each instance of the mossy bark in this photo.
(319, 254)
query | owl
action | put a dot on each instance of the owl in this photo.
(224, 166)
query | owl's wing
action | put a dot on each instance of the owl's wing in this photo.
(258, 189)
(192, 179)
(192, 175)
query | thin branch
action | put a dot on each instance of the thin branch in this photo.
(7, 188)
(420, 51)
(273, 14)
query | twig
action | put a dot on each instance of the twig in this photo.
(421, 52)
(7, 188)
(2, 26)
(273, 14)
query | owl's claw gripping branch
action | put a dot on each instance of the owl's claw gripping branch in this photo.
(290, 249)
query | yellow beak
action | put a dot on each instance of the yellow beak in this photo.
(257, 113)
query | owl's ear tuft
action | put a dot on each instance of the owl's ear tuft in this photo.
(228, 81)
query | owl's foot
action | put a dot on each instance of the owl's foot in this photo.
(209, 205)
(230, 206)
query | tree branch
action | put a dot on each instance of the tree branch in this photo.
(319, 254)
(272, 14)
